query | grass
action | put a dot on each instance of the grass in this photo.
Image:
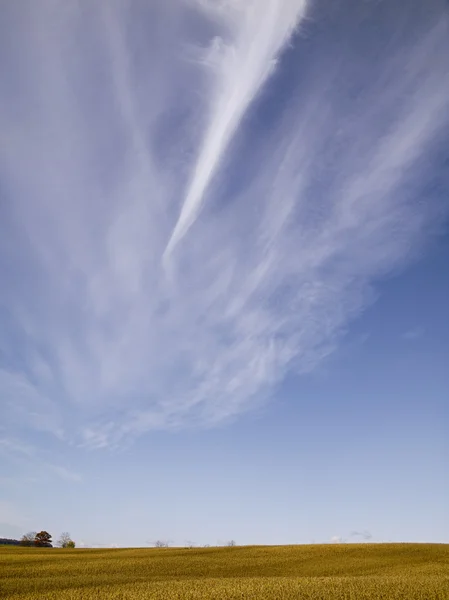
(316, 572)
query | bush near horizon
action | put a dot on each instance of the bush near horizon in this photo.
(65, 540)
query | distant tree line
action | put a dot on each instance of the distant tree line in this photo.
(9, 542)
(42, 539)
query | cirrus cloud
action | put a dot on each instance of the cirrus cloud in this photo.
(191, 214)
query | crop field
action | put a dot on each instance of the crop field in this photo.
(315, 572)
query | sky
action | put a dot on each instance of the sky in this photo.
(224, 271)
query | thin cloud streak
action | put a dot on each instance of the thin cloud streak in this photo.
(240, 67)
(26, 455)
(365, 535)
(413, 334)
(111, 145)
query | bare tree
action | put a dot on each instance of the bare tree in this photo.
(231, 543)
(65, 540)
(28, 538)
(161, 543)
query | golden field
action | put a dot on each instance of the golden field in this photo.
(313, 572)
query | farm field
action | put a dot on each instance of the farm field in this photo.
(314, 572)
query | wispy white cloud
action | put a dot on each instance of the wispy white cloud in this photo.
(10, 514)
(120, 148)
(413, 334)
(364, 535)
(355, 536)
(240, 62)
(26, 454)
(65, 473)
(13, 520)
(336, 539)
(17, 448)
(83, 544)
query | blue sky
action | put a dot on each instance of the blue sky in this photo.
(224, 271)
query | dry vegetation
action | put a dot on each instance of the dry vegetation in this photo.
(358, 572)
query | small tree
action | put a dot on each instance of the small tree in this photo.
(43, 539)
(231, 543)
(161, 543)
(70, 544)
(28, 538)
(65, 540)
